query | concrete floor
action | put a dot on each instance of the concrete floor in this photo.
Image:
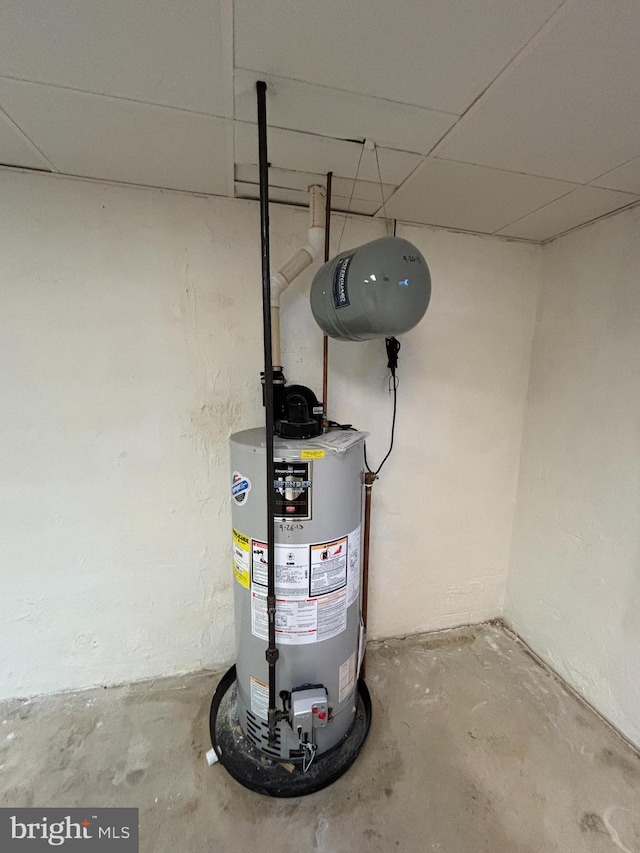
(474, 747)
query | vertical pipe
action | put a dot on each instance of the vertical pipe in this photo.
(325, 339)
(327, 217)
(369, 479)
(272, 651)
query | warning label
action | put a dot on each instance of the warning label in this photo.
(241, 557)
(312, 454)
(353, 569)
(259, 698)
(328, 566)
(292, 569)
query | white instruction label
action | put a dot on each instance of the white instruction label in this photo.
(315, 584)
(332, 614)
(339, 440)
(347, 677)
(292, 569)
(259, 698)
(328, 566)
(353, 569)
(259, 619)
(296, 622)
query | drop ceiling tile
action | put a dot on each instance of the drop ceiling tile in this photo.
(439, 54)
(301, 198)
(160, 51)
(569, 107)
(112, 139)
(340, 187)
(395, 166)
(472, 198)
(15, 150)
(625, 177)
(305, 152)
(579, 206)
(343, 115)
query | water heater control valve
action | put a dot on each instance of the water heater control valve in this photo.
(309, 711)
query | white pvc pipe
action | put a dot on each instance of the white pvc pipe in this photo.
(298, 263)
(212, 757)
(307, 255)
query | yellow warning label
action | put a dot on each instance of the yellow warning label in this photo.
(241, 540)
(241, 558)
(312, 454)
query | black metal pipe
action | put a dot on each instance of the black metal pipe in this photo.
(325, 339)
(327, 218)
(272, 651)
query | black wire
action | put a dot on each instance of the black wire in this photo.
(393, 348)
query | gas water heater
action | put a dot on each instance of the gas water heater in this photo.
(292, 714)
(318, 494)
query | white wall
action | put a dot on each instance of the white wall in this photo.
(574, 585)
(130, 343)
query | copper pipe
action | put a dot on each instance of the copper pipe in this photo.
(369, 479)
(325, 339)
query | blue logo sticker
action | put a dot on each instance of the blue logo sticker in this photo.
(240, 487)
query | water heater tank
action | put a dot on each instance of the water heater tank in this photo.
(380, 289)
(318, 559)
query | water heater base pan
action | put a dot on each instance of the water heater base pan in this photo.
(272, 777)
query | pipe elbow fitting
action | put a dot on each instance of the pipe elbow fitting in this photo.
(315, 246)
(278, 285)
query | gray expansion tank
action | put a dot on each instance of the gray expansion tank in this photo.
(319, 494)
(378, 290)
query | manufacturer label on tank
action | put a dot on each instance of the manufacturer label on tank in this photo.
(340, 284)
(240, 487)
(292, 485)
